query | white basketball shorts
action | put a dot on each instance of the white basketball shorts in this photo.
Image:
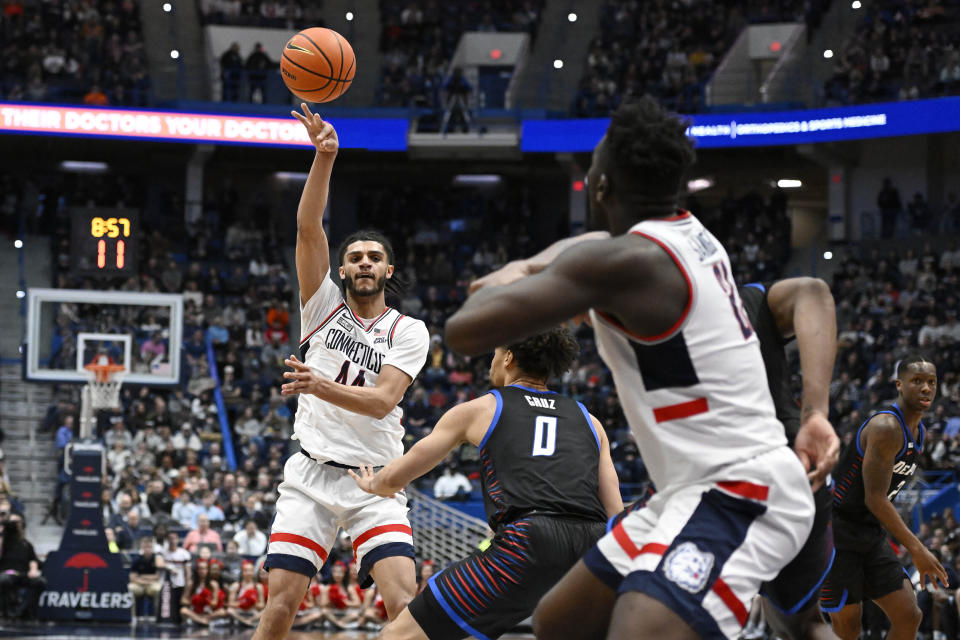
(704, 549)
(315, 501)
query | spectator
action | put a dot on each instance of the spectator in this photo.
(153, 350)
(203, 534)
(888, 200)
(158, 500)
(452, 485)
(119, 457)
(231, 68)
(231, 563)
(145, 575)
(127, 531)
(919, 213)
(186, 439)
(63, 438)
(96, 97)
(118, 434)
(258, 64)
(185, 511)
(209, 509)
(250, 540)
(176, 560)
(19, 571)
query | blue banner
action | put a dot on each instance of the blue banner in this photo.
(767, 128)
(84, 580)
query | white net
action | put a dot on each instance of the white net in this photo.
(102, 391)
(105, 395)
(441, 533)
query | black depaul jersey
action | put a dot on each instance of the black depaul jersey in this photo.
(848, 492)
(541, 453)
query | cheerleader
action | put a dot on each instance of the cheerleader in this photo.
(245, 600)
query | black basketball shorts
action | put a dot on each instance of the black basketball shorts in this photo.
(491, 592)
(866, 568)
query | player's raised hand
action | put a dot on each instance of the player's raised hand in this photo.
(929, 568)
(365, 480)
(303, 379)
(322, 134)
(817, 446)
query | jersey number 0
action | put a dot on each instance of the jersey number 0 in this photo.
(545, 436)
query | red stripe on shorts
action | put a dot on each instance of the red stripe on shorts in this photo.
(681, 410)
(746, 489)
(300, 540)
(376, 531)
(725, 593)
(620, 535)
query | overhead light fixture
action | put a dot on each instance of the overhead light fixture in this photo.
(572, 17)
(167, 7)
(828, 54)
(828, 255)
(558, 64)
(82, 166)
(174, 54)
(856, 4)
(699, 184)
(788, 183)
(349, 16)
(18, 243)
(290, 176)
(477, 180)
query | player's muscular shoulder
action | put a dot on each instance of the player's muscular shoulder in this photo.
(882, 436)
(476, 417)
(640, 280)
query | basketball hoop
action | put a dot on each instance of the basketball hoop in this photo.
(104, 384)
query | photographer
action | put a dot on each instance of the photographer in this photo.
(19, 569)
(456, 94)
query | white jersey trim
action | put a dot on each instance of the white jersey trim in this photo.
(681, 322)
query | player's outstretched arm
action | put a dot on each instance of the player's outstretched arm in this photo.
(313, 253)
(449, 432)
(516, 269)
(804, 308)
(884, 440)
(609, 483)
(584, 276)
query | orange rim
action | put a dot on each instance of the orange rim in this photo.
(104, 372)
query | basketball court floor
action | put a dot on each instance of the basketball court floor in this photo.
(154, 632)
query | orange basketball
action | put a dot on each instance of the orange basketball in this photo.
(318, 64)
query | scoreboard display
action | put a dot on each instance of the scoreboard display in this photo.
(105, 241)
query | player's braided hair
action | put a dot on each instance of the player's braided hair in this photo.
(395, 285)
(648, 150)
(915, 358)
(546, 354)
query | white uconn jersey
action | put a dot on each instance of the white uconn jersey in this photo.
(340, 346)
(696, 397)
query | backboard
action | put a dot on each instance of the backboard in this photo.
(70, 328)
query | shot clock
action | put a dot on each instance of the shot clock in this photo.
(104, 241)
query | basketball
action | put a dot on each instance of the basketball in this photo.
(318, 64)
